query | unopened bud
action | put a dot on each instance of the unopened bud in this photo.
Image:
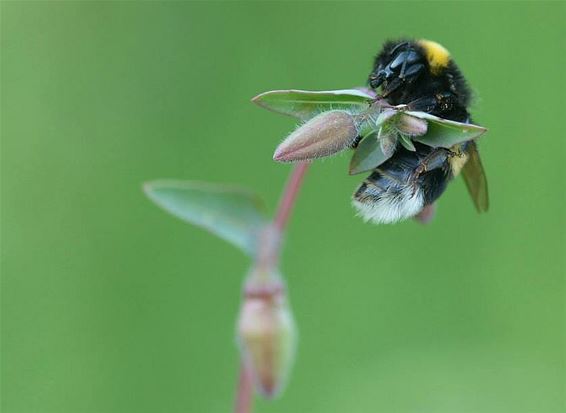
(387, 141)
(426, 215)
(409, 125)
(267, 334)
(324, 135)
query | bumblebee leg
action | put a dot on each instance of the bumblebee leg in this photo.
(434, 160)
(431, 174)
(439, 104)
(356, 142)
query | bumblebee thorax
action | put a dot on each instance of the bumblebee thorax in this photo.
(438, 57)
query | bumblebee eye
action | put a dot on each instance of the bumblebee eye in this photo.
(407, 57)
(399, 46)
(414, 70)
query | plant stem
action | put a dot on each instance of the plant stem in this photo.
(270, 242)
(267, 258)
(244, 396)
(290, 195)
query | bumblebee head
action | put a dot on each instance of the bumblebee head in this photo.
(400, 64)
(406, 64)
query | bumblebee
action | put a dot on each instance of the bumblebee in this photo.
(422, 75)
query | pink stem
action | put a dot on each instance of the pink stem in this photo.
(268, 257)
(290, 195)
(244, 398)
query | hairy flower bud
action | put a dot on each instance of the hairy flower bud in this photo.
(267, 333)
(409, 125)
(426, 215)
(387, 138)
(324, 135)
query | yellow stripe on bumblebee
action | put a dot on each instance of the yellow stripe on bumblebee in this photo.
(438, 57)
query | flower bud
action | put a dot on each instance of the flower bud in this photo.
(267, 334)
(426, 215)
(323, 135)
(387, 138)
(409, 125)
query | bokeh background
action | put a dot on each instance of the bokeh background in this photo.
(110, 305)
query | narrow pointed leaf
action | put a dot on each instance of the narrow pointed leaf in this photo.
(233, 214)
(446, 133)
(368, 155)
(367, 91)
(386, 115)
(407, 142)
(305, 104)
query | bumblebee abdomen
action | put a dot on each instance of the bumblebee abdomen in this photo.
(394, 191)
(382, 200)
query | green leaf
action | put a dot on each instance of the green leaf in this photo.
(233, 214)
(387, 115)
(407, 142)
(446, 133)
(305, 104)
(368, 155)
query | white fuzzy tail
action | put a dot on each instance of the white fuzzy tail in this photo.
(389, 207)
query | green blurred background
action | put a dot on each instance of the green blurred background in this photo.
(110, 305)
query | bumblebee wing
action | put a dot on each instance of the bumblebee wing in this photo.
(475, 179)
